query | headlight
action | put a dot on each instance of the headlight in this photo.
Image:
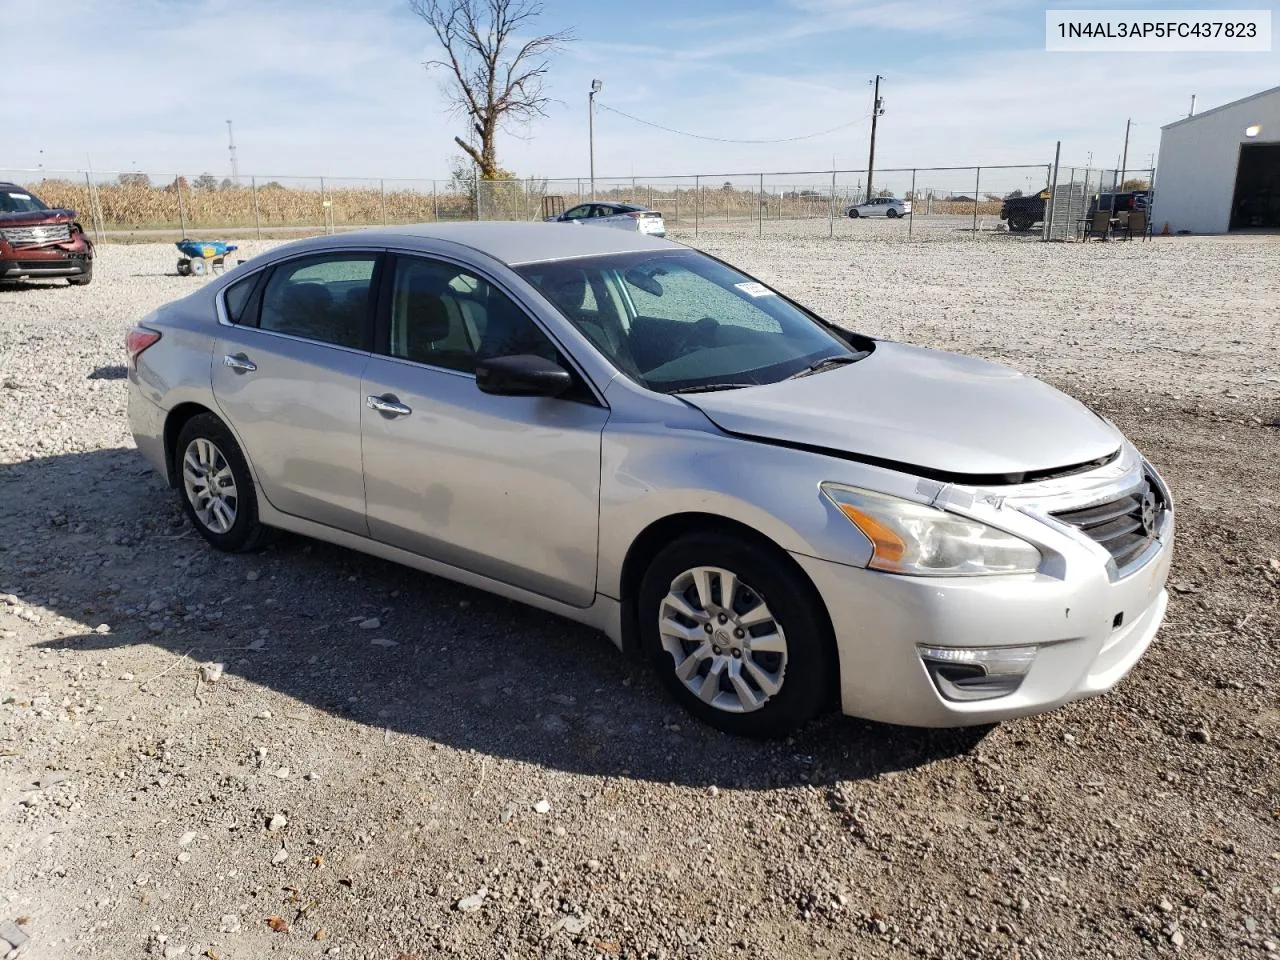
(918, 540)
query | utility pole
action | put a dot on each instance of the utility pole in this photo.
(1192, 112)
(877, 108)
(1124, 161)
(591, 130)
(231, 148)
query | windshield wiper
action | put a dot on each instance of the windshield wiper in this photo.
(826, 364)
(709, 387)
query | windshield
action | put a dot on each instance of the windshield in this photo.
(680, 320)
(19, 201)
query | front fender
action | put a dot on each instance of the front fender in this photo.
(652, 471)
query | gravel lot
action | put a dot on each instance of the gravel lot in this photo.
(472, 778)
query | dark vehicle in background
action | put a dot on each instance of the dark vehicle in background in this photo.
(1116, 203)
(39, 241)
(1023, 213)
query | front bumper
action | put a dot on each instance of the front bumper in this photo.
(1088, 624)
(70, 258)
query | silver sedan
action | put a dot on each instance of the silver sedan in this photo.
(619, 216)
(781, 515)
(890, 207)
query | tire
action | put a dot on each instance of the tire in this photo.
(853, 213)
(197, 267)
(891, 213)
(211, 446)
(184, 268)
(1020, 223)
(802, 667)
(84, 279)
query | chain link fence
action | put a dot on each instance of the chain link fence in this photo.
(945, 202)
(1074, 192)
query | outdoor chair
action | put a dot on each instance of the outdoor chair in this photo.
(1138, 224)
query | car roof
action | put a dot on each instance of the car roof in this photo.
(513, 243)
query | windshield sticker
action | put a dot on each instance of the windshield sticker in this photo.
(19, 196)
(753, 289)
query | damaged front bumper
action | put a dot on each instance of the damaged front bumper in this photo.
(72, 257)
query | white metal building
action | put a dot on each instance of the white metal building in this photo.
(1220, 170)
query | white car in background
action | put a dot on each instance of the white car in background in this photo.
(620, 216)
(880, 207)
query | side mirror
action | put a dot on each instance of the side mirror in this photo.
(522, 375)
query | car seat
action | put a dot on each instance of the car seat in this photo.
(430, 331)
(304, 312)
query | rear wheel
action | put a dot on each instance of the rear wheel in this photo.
(853, 213)
(737, 635)
(891, 213)
(216, 486)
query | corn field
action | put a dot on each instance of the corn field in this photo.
(131, 206)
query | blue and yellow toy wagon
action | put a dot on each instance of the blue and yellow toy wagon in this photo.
(202, 256)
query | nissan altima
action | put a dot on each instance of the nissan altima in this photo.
(781, 515)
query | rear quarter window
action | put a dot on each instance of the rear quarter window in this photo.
(237, 296)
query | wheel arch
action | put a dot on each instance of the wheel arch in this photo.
(664, 530)
(174, 421)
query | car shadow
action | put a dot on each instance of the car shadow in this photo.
(115, 371)
(32, 284)
(444, 662)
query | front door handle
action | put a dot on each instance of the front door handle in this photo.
(239, 363)
(388, 405)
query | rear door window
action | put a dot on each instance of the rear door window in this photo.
(326, 298)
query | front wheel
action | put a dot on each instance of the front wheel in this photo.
(84, 279)
(216, 487)
(737, 634)
(892, 213)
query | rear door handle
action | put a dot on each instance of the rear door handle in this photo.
(239, 363)
(388, 405)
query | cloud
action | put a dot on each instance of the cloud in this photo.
(319, 87)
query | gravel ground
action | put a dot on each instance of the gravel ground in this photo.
(396, 767)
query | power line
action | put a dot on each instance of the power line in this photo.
(698, 136)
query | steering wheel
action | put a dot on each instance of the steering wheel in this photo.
(701, 333)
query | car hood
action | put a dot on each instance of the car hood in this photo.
(907, 406)
(36, 218)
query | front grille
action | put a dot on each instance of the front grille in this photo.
(34, 236)
(1125, 526)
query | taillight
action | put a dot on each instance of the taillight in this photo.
(635, 216)
(137, 340)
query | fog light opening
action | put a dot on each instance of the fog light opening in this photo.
(977, 673)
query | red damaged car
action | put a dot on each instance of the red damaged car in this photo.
(38, 241)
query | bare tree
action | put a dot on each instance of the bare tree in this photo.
(495, 76)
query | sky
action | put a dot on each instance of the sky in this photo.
(338, 89)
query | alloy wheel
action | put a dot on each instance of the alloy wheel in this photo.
(727, 646)
(210, 485)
